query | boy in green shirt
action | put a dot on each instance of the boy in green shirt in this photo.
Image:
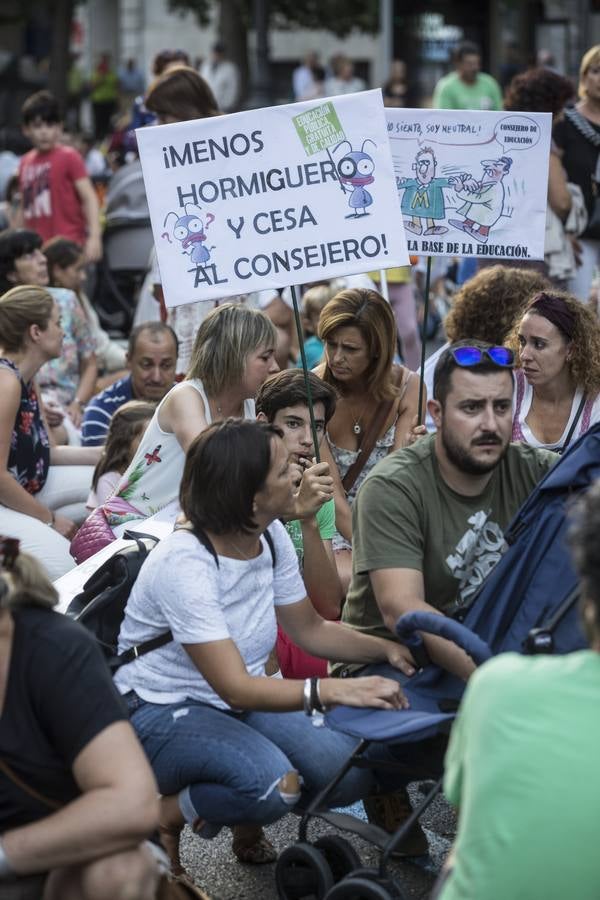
(282, 401)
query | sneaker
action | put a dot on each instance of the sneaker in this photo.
(390, 811)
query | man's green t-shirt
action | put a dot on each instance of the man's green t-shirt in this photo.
(451, 92)
(522, 766)
(325, 523)
(406, 517)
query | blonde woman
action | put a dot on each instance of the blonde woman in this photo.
(234, 352)
(72, 829)
(43, 489)
(576, 140)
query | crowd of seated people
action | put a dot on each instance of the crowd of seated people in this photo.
(312, 511)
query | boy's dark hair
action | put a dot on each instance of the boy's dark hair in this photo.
(446, 365)
(287, 388)
(225, 466)
(44, 106)
(14, 243)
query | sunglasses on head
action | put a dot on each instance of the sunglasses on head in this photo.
(472, 356)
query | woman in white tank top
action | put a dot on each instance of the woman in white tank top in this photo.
(233, 354)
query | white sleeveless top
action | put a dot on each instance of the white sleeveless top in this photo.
(152, 478)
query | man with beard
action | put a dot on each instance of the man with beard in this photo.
(428, 522)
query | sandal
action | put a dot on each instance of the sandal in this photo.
(252, 847)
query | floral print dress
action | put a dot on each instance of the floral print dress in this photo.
(29, 455)
(59, 378)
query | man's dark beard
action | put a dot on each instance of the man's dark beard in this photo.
(463, 460)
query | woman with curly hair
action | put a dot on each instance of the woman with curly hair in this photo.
(558, 380)
(485, 309)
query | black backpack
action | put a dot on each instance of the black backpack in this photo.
(101, 604)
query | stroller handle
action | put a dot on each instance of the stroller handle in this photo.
(409, 625)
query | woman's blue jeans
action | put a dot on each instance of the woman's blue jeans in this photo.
(227, 766)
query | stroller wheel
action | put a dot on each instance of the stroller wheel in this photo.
(360, 889)
(340, 854)
(302, 871)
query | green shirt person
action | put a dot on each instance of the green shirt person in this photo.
(428, 522)
(522, 763)
(467, 87)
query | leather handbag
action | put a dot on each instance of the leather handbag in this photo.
(96, 532)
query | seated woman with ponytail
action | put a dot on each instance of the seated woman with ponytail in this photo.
(71, 821)
(43, 489)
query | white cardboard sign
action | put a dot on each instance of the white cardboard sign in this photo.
(272, 197)
(472, 183)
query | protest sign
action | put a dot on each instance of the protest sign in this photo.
(472, 183)
(272, 197)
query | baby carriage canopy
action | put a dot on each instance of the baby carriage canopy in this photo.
(533, 588)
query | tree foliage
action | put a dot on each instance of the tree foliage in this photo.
(338, 16)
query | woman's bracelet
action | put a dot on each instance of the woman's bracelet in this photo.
(315, 695)
(7, 873)
(312, 696)
(306, 698)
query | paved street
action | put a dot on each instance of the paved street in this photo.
(216, 870)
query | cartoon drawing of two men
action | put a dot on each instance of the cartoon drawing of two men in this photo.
(424, 202)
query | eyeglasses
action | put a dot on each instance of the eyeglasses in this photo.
(472, 356)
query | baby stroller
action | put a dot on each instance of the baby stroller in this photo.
(527, 605)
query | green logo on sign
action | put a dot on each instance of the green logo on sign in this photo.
(319, 128)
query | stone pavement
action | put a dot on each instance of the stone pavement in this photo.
(216, 871)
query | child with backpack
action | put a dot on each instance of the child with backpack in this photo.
(124, 435)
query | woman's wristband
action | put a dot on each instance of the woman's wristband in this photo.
(312, 696)
(306, 698)
(7, 873)
(315, 695)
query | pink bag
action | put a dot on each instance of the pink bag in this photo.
(96, 533)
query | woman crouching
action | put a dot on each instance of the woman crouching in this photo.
(229, 745)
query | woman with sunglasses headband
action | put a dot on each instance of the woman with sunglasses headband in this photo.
(557, 382)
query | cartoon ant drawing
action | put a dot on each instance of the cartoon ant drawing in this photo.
(190, 231)
(355, 170)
